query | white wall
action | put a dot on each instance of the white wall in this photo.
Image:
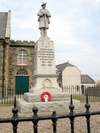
(71, 76)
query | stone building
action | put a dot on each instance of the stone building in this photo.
(16, 60)
(21, 55)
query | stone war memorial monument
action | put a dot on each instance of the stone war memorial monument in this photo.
(45, 94)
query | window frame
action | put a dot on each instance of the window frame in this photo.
(22, 57)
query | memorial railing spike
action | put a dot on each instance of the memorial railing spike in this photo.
(15, 120)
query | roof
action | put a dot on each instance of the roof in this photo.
(62, 66)
(85, 79)
(4, 24)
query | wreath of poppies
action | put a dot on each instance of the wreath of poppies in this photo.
(46, 96)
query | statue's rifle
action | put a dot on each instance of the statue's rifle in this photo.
(45, 24)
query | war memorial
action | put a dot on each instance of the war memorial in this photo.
(45, 94)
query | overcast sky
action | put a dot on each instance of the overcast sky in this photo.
(74, 28)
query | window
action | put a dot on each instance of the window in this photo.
(21, 58)
(22, 72)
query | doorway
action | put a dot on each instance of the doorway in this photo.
(21, 82)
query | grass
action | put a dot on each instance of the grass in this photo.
(83, 98)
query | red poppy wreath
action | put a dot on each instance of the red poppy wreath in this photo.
(46, 96)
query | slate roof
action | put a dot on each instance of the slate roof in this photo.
(3, 23)
(85, 79)
(62, 66)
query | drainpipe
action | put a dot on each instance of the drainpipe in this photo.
(3, 70)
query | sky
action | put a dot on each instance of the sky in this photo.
(74, 28)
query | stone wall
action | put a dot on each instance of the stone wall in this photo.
(14, 47)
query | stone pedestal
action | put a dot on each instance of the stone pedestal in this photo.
(58, 106)
(45, 77)
(45, 80)
(58, 103)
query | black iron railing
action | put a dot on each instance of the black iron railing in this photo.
(93, 95)
(54, 117)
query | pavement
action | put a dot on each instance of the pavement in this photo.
(63, 125)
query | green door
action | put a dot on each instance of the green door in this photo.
(21, 84)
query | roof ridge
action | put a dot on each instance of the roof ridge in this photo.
(62, 63)
(62, 66)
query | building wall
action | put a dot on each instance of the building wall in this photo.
(14, 47)
(71, 80)
(71, 76)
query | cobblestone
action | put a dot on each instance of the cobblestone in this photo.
(63, 125)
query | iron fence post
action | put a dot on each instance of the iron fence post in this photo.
(71, 114)
(15, 119)
(35, 119)
(87, 106)
(54, 120)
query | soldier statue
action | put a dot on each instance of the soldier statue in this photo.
(43, 20)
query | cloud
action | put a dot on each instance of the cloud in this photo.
(74, 28)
